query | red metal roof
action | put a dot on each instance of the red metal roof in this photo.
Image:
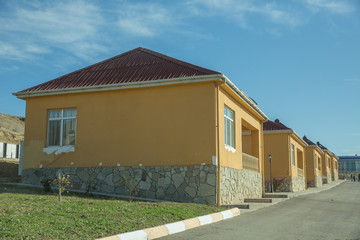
(273, 126)
(308, 141)
(321, 146)
(137, 65)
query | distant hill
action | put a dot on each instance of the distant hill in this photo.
(11, 128)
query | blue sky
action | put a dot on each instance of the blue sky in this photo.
(300, 60)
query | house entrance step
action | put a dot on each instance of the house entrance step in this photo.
(275, 195)
(258, 200)
(240, 206)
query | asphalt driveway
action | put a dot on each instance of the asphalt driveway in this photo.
(331, 214)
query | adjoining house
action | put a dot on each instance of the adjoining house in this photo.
(174, 127)
(11, 135)
(326, 163)
(334, 167)
(9, 150)
(313, 155)
(349, 166)
(286, 148)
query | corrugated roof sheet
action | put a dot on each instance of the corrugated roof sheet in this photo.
(308, 141)
(276, 125)
(137, 65)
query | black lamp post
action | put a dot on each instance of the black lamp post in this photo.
(271, 178)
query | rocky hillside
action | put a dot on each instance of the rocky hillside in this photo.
(11, 128)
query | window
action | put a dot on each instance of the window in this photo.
(62, 127)
(315, 161)
(229, 127)
(292, 155)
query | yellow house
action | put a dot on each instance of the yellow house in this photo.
(334, 167)
(326, 163)
(313, 155)
(173, 127)
(287, 149)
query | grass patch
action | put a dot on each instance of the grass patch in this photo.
(32, 214)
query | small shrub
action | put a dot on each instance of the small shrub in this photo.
(132, 185)
(62, 182)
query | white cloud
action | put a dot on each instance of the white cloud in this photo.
(244, 9)
(335, 6)
(143, 19)
(37, 29)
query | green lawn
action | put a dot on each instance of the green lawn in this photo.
(32, 214)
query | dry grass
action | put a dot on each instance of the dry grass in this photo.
(11, 128)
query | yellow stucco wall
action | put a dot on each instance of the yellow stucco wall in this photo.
(298, 161)
(326, 159)
(333, 165)
(312, 169)
(168, 125)
(310, 163)
(242, 117)
(277, 145)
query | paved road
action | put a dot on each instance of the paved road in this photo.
(331, 214)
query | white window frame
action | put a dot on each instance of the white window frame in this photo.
(292, 154)
(229, 140)
(62, 118)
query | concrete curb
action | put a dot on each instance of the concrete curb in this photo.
(176, 227)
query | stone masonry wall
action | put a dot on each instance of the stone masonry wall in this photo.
(298, 184)
(174, 183)
(318, 181)
(328, 177)
(284, 185)
(336, 176)
(315, 183)
(236, 185)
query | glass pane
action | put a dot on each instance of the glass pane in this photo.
(69, 113)
(225, 111)
(227, 132)
(69, 132)
(231, 115)
(55, 114)
(54, 133)
(231, 133)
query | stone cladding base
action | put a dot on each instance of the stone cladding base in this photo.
(298, 184)
(174, 183)
(315, 183)
(236, 185)
(328, 178)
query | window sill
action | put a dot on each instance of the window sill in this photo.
(230, 148)
(58, 149)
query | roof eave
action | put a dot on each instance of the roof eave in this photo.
(317, 147)
(290, 131)
(109, 87)
(244, 97)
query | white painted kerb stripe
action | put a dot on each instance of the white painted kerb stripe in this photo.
(175, 227)
(136, 235)
(227, 214)
(207, 219)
